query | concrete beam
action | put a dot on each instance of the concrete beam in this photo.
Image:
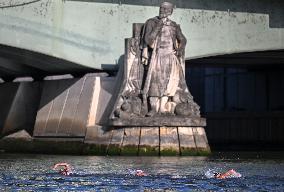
(55, 28)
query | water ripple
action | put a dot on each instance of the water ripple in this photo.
(33, 173)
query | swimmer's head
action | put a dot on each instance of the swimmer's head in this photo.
(217, 174)
(63, 170)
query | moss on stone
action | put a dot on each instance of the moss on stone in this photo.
(195, 152)
(79, 148)
(94, 149)
(58, 147)
(129, 150)
(169, 152)
(203, 151)
(113, 150)
(188, 152)
(16, 146)
(41, 146)
(148, 151)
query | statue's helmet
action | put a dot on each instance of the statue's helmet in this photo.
(166, 9)
(167, 5)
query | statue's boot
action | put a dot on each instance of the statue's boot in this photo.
(151, 113)
(154, 104)
(163, 103)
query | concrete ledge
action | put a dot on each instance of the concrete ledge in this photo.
(95, 149)
(116, 140)
(142, 141)
(149, 141)
(42, 146)
(169, 142)
(169, 121)
(130, 141)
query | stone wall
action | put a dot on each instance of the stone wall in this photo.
(212, 27)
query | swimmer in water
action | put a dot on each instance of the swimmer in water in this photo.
(228, 174)
(137, 172)
(140, 173)
(65, 168)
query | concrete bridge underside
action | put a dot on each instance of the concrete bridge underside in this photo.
(17, 63)
(75, 36)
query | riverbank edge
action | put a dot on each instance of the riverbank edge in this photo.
(77, 146)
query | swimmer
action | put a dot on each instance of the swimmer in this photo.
(137, 172)
(64, 170)
(229, 174)
(140, 173)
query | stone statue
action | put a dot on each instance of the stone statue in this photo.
(155, 84)
(163, 50)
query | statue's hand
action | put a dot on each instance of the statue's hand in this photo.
(144, 61)
(162, 21)
(179, 52)
(160, 24)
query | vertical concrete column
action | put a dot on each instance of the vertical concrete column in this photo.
(149, 141)
(201, 139)
(114, 147)
(65, 107)
(19, 103)
(131, 141)
(169, 143)
(186, 139)
(96, 138)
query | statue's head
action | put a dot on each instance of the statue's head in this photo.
(166, 9)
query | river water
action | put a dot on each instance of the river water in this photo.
(29, 172)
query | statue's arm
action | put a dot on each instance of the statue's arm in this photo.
(181, 41)
(152, 30)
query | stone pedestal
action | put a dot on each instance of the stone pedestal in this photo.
(167, 120)
(160, 135)
(149, 141)
(152, 141)
(153, 121)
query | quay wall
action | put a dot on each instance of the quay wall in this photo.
(69, 116)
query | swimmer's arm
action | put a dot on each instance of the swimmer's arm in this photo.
(228, 173)
(62, 164)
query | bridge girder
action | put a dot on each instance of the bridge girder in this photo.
(52, 37)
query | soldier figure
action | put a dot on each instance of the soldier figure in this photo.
(163, 52)
(155, 81)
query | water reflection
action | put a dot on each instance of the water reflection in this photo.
(94, 173)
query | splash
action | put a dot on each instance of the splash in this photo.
(210, 173)
(230, 174)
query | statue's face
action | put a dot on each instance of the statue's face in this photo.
(165, 12)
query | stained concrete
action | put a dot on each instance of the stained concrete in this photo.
(149, 141)
(187, 140)
(169, 142)
(64, 108)
(155, 141)
(19, 104)
(130, 141)
(55, 28)
(71, 119)
(116, 141)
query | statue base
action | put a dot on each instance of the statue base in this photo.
(150, 141)
(168, 120)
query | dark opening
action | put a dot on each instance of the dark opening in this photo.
(242, 97)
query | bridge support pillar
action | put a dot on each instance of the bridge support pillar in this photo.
(73, 118)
